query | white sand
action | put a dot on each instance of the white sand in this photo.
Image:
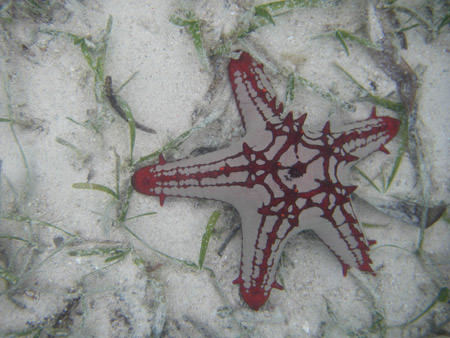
(49, 81)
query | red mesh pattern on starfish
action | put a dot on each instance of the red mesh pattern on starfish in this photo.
(281, 178)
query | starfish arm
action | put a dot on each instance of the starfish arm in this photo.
(340, 231)
(221, 175)
(262, 244)
(255, 96)
(359, 139)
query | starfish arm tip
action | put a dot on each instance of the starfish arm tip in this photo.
(255, 297)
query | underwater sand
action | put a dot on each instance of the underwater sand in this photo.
(69, 267)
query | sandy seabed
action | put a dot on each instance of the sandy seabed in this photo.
(71, 266)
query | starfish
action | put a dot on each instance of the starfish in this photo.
(281, 178)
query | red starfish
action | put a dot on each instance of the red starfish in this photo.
(280, 177)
